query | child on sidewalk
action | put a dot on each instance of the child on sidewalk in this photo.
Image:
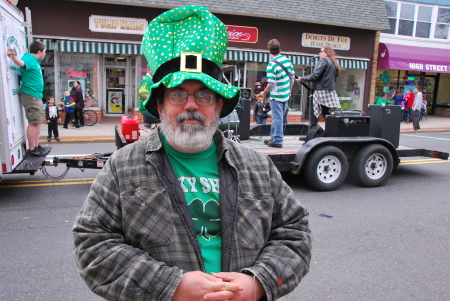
(52, 117)
(69, 107)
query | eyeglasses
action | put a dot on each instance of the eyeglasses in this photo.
(321, 51)
(179, 98)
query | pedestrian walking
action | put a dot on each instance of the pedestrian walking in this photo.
(416, 108)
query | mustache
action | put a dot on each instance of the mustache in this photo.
(191, 115)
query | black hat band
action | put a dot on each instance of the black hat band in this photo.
(174, 65)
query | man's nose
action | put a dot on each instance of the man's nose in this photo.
(191, 104)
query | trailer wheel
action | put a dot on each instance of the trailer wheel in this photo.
(326, 168)
(372, 165)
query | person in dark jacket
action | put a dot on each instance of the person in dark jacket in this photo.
(184, 213)
(324, 83)
(261, 110)
(77, 95)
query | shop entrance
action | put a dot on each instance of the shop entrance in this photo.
(429, 91)
(116, 86)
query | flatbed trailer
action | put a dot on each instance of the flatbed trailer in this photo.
(326, 161)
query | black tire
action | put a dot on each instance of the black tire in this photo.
(90, 117)
(372, 165)
(326, 168)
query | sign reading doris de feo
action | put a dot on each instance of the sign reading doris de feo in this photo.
(117, 24)
(314, 40)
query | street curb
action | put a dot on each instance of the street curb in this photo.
(426, 130)
(79, 140)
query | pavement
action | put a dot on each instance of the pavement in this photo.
(104, 132)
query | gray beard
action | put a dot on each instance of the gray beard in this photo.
(190, 138)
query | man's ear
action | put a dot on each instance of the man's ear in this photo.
(220, 104)
(159, 107)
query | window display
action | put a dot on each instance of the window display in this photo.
(80, 67)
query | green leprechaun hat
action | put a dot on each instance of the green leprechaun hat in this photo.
(187, 43)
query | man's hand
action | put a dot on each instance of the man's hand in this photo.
(253, 290)
(298, 80)
(263, 94)
(196, 285)
(10, 52)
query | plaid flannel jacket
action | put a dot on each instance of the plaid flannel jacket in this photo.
(134, 236)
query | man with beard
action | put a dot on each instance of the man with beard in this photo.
(186, 214)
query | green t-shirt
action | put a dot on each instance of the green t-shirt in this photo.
(198, 175)
(276, 75)
(32, 79)
(382, 101)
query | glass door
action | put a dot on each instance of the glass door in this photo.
(428, 91)
(115, 85)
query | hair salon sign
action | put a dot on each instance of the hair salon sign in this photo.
(117, 24)
(314, 40)
(242, 34)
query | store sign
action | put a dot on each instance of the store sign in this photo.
(410, 78)
(429, 67)
(72, 73)
(117, 25)
(242, 34)
(314, 40)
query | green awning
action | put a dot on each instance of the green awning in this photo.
(349, 63)
(93, 47)
(264, 57)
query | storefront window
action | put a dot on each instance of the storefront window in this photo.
(350, 88)
(83, 68)
(410, 80)
(256, 77)
(49, 75)
(443, 96)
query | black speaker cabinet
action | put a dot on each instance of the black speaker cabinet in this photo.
(245, 120)
(385, 122)
(347, 126)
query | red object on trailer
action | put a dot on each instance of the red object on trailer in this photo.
(129, 126)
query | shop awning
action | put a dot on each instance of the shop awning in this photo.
(413, 58)
(92, 47)
(264, 57)
(231, 55)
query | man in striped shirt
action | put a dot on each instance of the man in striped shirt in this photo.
(280, 77)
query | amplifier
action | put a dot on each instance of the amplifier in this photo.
(385, 122)
(347, 126)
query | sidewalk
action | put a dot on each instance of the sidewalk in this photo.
(104, 132)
